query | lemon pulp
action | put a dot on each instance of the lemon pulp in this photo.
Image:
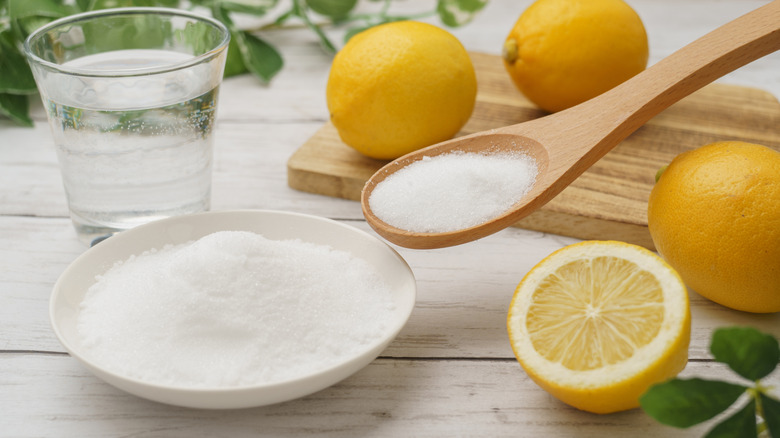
(597, 323)
(606, 323)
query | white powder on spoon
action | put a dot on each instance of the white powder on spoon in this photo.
(233, 309)
(453, 191)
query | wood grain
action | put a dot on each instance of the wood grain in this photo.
(609, 200)
(397, 397)
(450, 372)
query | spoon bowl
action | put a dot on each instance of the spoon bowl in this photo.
(497, 142)
(567, 143)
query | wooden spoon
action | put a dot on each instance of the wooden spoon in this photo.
(567, 143)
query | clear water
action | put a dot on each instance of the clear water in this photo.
(133, 150)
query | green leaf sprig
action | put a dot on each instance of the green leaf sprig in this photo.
(685, 402)
(248, 51)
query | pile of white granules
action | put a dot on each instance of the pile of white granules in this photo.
(233, 309)
(453, 191)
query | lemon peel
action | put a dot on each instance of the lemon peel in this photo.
(561, 53)
(400, 86)
(597, 323)
(714, 216)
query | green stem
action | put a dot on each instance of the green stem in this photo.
(383, 17)
(369, 19)
(302, 10)
(275, 26)
(755, 393)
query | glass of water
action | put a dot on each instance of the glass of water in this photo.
(131, 97)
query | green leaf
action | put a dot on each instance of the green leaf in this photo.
(25, 26)
(685, 402)
(255, 7)
(324, 40)
(109, 4)
(222, 15)
(455, 13)
(17, 78)
(740, 425)
(28, 15)
(16, 107)
(300, 11)
(335, 9)
(85, 5)
(130, 34)
(169, 3)
(285, 16)
(38, 8)
(234, 64)
(260, 58)
(771, 409)
(198, 37)
(747, 351)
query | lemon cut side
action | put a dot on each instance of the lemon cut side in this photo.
(597, 323)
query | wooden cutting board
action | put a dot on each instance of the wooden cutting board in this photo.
(609, 200)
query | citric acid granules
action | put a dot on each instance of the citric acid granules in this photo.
(233, 309)
(453, 191)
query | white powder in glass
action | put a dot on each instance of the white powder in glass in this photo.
(453, 191)
(233, 309)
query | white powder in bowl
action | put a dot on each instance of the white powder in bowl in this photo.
(233, 309)
(453, 191)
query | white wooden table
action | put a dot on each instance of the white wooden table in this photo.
(450, 372)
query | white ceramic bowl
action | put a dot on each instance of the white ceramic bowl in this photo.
(72, 285)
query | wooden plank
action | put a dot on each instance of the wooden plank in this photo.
(609, 201)
(448, 374)
(462, 300)
(52, 395)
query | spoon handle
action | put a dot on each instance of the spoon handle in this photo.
(712, 56)
(602, 122)
(567, 143)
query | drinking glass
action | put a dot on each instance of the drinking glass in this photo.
(131, 98)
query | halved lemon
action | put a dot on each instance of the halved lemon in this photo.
(598, 322)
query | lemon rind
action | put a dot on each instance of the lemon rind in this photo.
(676, 316)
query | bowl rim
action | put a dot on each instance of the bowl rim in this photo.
(117, 240)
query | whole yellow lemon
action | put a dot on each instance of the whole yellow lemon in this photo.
(714, 215)
(398, 87)
(563, 52)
